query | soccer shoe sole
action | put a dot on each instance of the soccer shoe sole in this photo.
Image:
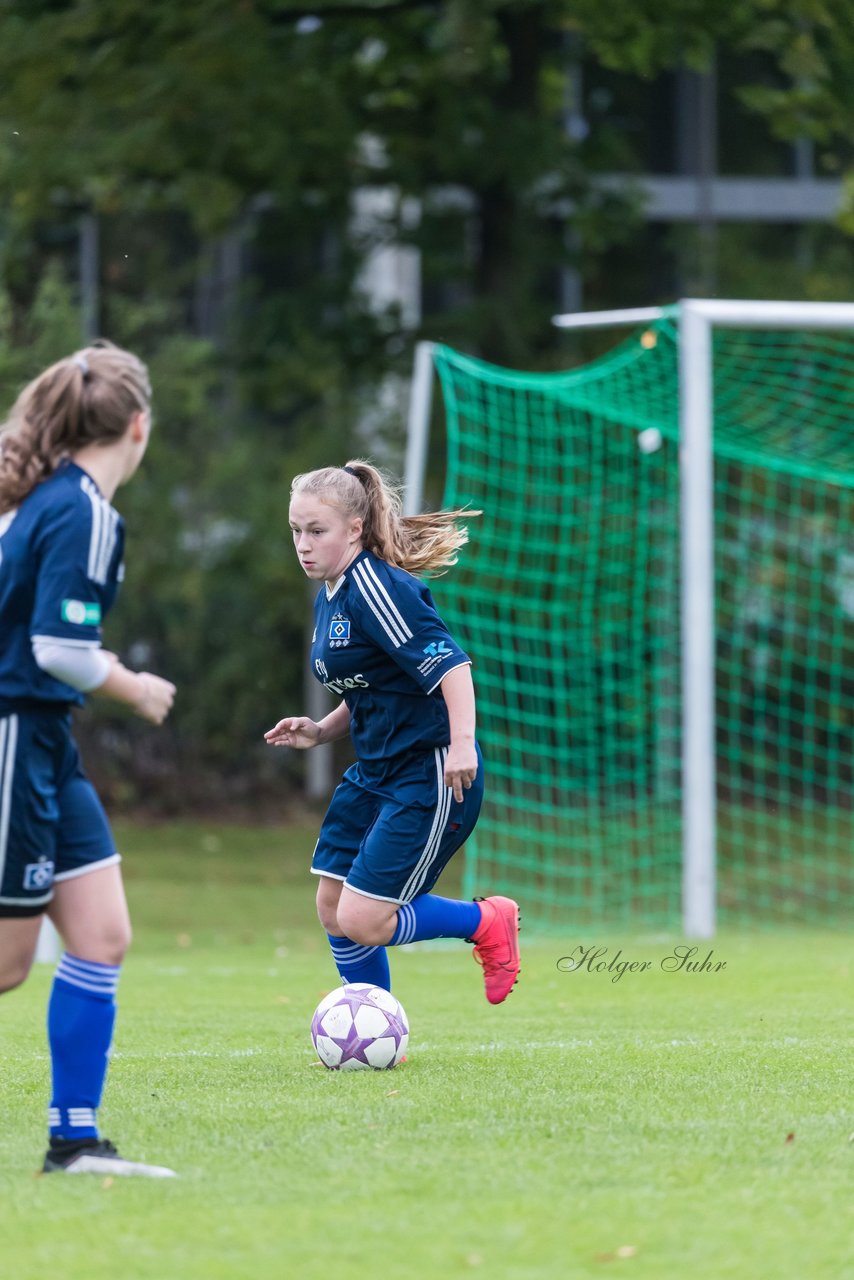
(115, 1167)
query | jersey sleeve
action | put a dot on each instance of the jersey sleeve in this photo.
(398, 614)
(79, 550)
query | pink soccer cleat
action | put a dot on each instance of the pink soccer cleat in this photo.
(496, 946)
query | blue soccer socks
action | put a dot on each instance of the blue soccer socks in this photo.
(356, 963)
(433, 917)
(81, 1015)
(426, 917)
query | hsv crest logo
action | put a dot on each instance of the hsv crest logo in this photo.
(339, 632)
(38, 875)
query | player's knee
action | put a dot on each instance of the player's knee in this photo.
(111, 945)
(369, 935)
(328, 897)
(14, 972)
(365, 930)
(118, 943)
(327, 914)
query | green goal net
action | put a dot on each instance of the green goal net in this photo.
(568, 599)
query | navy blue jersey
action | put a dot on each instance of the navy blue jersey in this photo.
(60, 565)
(380, 644)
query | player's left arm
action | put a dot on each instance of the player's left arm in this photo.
(457, 689)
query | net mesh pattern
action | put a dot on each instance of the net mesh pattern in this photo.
(567, 599)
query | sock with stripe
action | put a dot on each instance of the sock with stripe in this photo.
(433, 917)
(356, 963)
(81, 1015)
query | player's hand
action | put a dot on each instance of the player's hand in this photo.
(294, 731)
(155, 697)
(460, 768)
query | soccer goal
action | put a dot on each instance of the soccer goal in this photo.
(659, 599)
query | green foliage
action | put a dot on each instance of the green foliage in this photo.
(813, 42)
(45, 333)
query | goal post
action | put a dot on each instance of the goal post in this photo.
(701, 485)
(697, 320)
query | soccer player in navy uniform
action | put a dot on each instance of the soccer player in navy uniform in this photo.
(75, 434)
(407, 700)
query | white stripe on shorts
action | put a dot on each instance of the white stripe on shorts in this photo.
(443, 807)
(8, 747)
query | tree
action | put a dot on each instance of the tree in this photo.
(219, 132)
(204, 106)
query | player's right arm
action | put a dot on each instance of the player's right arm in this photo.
(150, 696)
(300, 732)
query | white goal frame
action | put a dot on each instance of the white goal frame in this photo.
(697, 318)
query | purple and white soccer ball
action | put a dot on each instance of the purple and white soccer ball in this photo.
(360, 1027)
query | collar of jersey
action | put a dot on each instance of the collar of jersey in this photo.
(331, 591)
(70, 465)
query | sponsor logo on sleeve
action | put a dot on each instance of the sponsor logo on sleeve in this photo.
(81, 613)
(437, 651)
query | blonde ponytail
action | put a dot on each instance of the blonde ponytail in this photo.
(88, 398)
(425, 545)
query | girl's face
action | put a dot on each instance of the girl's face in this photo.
(326, 540)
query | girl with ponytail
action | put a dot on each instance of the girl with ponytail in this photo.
(407, 700)
(75, 434)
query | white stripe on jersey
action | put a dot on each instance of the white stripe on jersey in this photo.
(102, 542)
(386, 598)
(97, 521)
(394, 636)
(6, 519)
(8, 746)
(443, 807)
(381, 604)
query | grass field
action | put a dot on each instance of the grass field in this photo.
(664, 1125)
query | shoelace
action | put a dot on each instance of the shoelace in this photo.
(485, 955)
(489, 963)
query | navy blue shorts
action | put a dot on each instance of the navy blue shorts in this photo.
(393, 842)
(52, 824)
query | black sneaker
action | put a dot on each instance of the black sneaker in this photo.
(96, 1155)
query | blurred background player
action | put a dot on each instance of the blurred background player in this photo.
(75, 434)
(413, 796)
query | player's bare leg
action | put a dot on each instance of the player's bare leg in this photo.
(355, 960)
(18, 941)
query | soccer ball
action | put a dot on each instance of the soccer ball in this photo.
(360, 1027)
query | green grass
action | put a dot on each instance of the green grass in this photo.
(585, 1128)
